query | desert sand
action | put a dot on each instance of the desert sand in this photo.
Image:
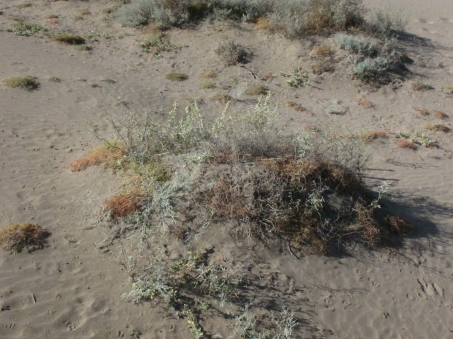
(71, 289)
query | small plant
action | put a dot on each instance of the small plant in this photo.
(418, 138)
(207, 85)
(440, 115)
(29, 83)
(15, 238)
(177, 76)
(25, 30)
(373, 135)
(295, 106)
(447, 90)
(107, 153)
(297, 78)
(364, 102)
(156, 43)
(232, 53)
(220, 97)
(83, 48)
(419, 85)
(256, 90)
(438, 128)
(69, 39)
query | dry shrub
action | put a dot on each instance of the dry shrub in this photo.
(29, 83)
(373, 135)
(295, 106)
(440, 115)
(420, 86)
(15, 238)
(108, 154)
(69, 39)
(399, 225)
(406, 144)
(232, 53)
(263, 23)
(322, 50)
(438, 128)
(422, 111)
(220, 97)
(208, 74)
(256, 90)
(323, 66)
(364, 102)
(123, 204)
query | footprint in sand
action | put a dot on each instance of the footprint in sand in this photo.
(430, 289)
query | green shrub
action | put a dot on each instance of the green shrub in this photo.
(375, 69)
(356, 44)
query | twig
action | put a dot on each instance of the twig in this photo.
(34, 299)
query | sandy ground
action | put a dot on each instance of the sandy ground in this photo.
(71, 290)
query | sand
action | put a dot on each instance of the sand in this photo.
(72, 288)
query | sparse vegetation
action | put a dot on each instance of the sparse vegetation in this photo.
(322, 50)
(177, 76)
(221, 97)
(156, 43)
(406, 144)
(208, 74)
(207, 85)
(447, 90)
(419, 85)
(83, 48)
(24, 5)
(295, 106)
(29, 83)
(15, 238)
(416, 138)
(422, 111)
(54, 79)
(25, 30)
(85, 11)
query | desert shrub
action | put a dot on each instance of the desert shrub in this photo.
(373, 69)
(232, 53)
(123, 204)
(17, 237)
(69, 39)
(156, 43)
(108, 153)
(174, 13)
(29, 83)
(386, 20)
(373, 135)
(356, 44)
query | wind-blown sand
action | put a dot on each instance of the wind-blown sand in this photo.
(70, 290)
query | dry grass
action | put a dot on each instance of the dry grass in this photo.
(440, 115)
(406, 144)
(420, 86)
(208, 74)
(437, 128)
(263, 23)
(152, 29)
(52, 16)
(256, 90)
(295, 106)
(232, 53)
(177, 76)
(364, 102)
(29, 83)
(322, 66)
(373, 135)
(69, 39)
(15, 238)
(108, 154)
(21, 6)
(221, 97)
(85, 11)
(123, 204)
(422, 111)
(322, 50)
(207, 85)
